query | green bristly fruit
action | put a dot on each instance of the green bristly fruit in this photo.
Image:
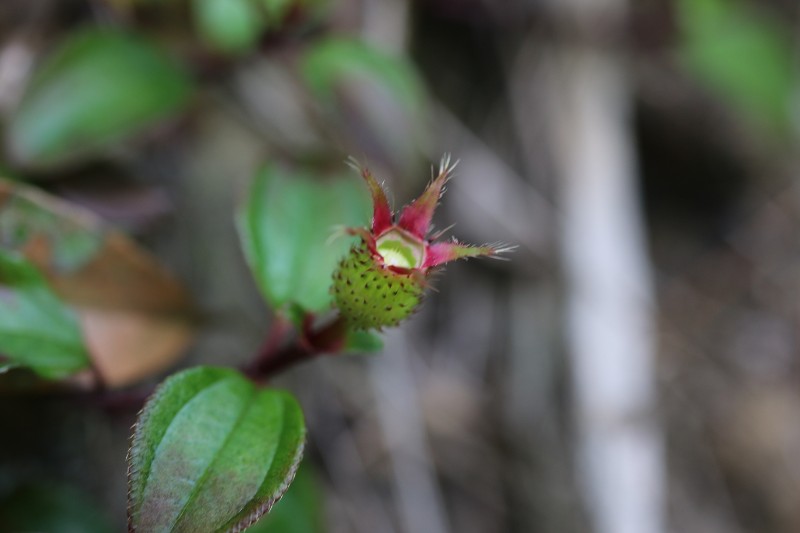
(370, 296)
(382, 280)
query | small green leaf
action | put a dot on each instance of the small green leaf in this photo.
(52, 509)
(330, 62)
(36, 329)
(211, 452)
(229, 25)
(276, 10)
(369, 94)
(99, 87)
(299, 511)
(362, 341)
(288, 229)
(741, 53)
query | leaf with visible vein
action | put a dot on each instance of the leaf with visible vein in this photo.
(211, 452)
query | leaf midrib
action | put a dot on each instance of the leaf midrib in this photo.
(146, 480)
(204, 476)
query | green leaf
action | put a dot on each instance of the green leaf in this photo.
(361, 341)
(99, 87)
(229, 25)
(52, 509)
(276, 10)
(330, 62)
(744, 55)
(299, 511)
(36, 329)
(286, 230)
(369, 94)
(211, 452)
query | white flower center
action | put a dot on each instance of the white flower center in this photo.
(400, 249)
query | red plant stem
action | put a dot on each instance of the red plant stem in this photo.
(274, 358)
(269, 364)
(312, 343)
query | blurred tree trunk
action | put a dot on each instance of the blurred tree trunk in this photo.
(607, 272)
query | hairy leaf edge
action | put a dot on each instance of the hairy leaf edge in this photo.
(142, 417)
(266, 507)
(134, 475)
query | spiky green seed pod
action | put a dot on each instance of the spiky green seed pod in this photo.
(382, 280)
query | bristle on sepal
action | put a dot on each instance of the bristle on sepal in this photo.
(443, 252)
(500, 249)
(416, 217)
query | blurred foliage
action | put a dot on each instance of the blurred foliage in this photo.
(228, 25)
(744, 54)
(237, 26)
(99, 87)
(329, 64)
(36, 329)
(374, 98)
(28, 216)
(133, 316)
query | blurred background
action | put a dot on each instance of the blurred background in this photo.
(632, 368)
